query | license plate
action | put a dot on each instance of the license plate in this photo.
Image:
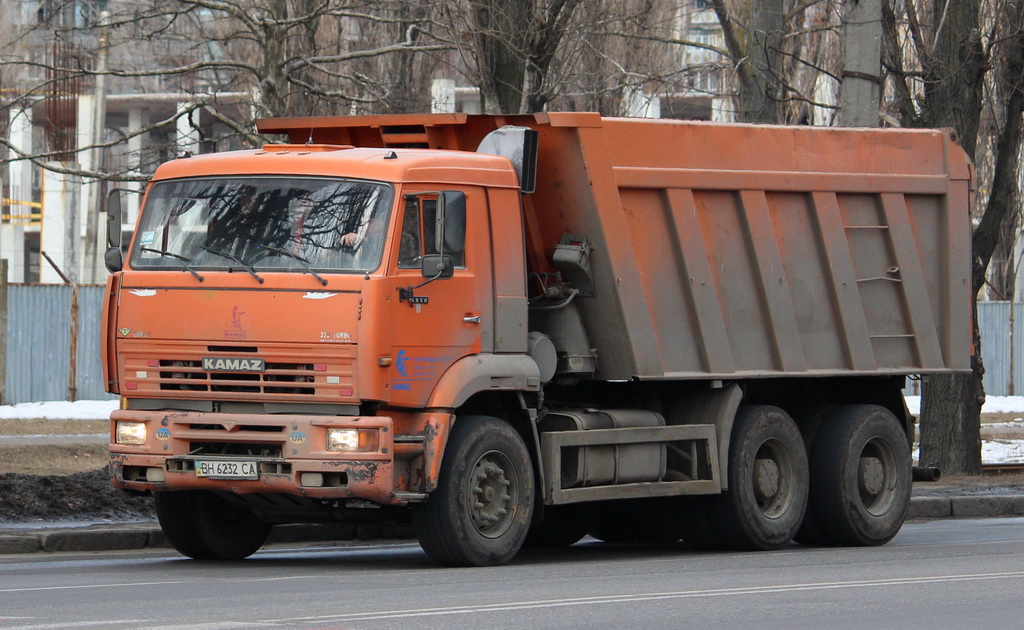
(224, 469)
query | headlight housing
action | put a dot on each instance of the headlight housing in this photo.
(130, 433)
(351, 440)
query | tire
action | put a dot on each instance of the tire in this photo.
(811, 532)
(768, 481)
(175, 511)
(480, 513)
(862, 476)
(203, 526)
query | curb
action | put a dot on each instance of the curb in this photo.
(134, 536)
(977, 506)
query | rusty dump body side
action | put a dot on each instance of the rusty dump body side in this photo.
(723, 251)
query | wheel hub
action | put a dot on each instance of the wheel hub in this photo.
(766, 480)
(871, 475)
(491, 495)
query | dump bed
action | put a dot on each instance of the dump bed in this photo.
(726, 250)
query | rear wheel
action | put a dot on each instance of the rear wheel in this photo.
(811, 532)
(768, 481)
(204, 526)
(862, 476)
(480, 513)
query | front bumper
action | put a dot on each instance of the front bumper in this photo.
(289, 452)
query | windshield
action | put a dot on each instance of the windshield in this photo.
(271, 223)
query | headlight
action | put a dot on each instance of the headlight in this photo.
(131, 433)
(352, 440)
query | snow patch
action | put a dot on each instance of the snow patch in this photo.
(993, 404)
(59, 410)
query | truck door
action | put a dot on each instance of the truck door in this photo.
(436, 322)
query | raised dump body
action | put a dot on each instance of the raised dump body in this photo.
(723, 251)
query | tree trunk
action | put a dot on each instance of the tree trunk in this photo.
(403, 97)
(954, 74)
(862, 60)
(753, 31)
(951, 406)
(516, 42)
(273, 86)
(499, 26)
(544, 38)
(951, 418)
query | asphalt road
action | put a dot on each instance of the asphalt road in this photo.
(943, 574)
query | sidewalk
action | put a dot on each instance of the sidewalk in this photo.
(984, 498)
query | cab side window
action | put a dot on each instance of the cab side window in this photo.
(419, 226)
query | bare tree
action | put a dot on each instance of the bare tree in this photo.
(960, 51)
(229, 60)
(786, 58)
(753, 34)
(622, 56)
(511, 45)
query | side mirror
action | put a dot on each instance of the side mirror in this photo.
(451, 218)
(437, 267)
(113, 258)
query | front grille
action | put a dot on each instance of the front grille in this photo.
(278, 378)
(290, 373)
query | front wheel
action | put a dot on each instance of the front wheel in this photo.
(861, 476)
(480, 513)
(204, 526)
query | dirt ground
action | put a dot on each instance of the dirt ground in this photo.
(52, 447)
(60, 477)
(83, 496)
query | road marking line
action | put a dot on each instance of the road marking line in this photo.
(166, 583)
(616, 599)
(82, 624)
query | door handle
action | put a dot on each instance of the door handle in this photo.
(471, 319)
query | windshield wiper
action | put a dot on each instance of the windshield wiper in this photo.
(247, 266)
(187, 267)
(305, 261)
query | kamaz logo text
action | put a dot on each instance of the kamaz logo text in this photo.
(218, 364)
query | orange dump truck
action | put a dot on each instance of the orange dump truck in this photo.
(524, 329)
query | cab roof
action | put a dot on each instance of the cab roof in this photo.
(378, 164)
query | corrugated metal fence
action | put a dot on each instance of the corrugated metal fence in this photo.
(1002, 347)
(39, 345)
